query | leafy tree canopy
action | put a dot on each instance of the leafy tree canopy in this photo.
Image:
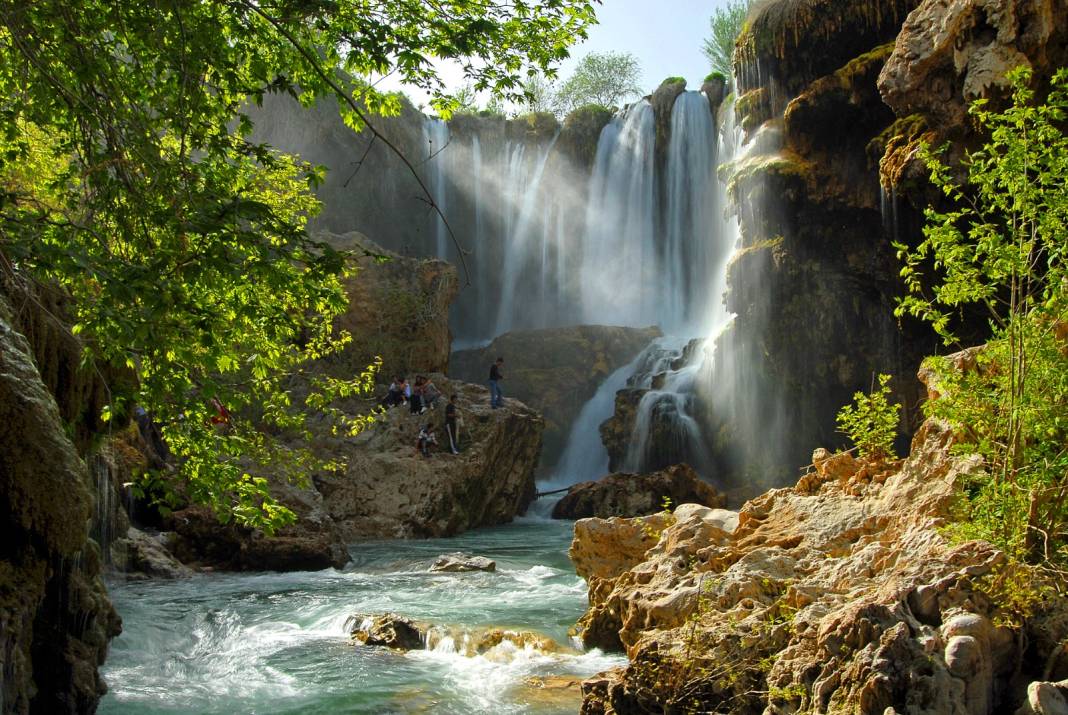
(604, 78)
(182, 242)
(725, 25)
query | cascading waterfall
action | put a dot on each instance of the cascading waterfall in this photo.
(528, 231)
(436, 136)
(619, 272)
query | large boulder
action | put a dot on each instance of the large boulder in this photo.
(55, 616)
(556, 370)
(312, 543)
(842, 594)
(630, 495)
(389, 490)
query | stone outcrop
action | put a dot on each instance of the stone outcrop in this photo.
(556, 370)
(55, 616)
(389, 490)
(392, 631)
(388, 631)
(841, 594)
(312, 543)
(140, 555)
(398, 311)
(630, 495)
(462, 563)
(952, 52)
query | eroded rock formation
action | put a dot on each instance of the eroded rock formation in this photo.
(389, 490)
(630, 495)
(55, 616)
(398, 311)
(840, 594)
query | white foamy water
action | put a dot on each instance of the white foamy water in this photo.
(278, 643)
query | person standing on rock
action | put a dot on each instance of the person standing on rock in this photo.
(495, 377)
(450, 425)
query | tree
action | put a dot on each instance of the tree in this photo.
(540, 95)
(182, 242)
(604, 78)
(1002, 248)
(725, 24)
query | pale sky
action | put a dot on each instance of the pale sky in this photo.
(665, 36)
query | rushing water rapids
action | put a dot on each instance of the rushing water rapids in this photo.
(277, 643)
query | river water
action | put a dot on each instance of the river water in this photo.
(278, 643)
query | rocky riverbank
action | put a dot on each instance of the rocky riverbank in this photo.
(840, 594)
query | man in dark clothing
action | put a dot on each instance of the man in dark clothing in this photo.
(495, 377)
(450, 425)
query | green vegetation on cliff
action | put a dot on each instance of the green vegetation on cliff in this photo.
(604, 78)
(127, 178)
(1001, 248)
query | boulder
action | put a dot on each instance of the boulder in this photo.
(842, 596)
(388, 631)
(389, 490)
(312, 543)
(630, 495)
(556, 371)
(140, 555)
(460, 563)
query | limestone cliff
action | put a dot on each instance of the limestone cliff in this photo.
(840, 594)
(55, 616)
(835, 98)
(398, 310)
(555, 371)
(389, 490)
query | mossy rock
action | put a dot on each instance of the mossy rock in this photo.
(796, 41)
(582, 130)
(715, 77)
(898, 145)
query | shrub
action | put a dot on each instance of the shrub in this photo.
(871, 422)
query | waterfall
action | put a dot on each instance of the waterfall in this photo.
(691, 248)
(585, 456)
(699, 239)
(527, 230)
(618, 266)
(436, 135)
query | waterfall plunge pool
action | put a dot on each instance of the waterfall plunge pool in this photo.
(277, 643)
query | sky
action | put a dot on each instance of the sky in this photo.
(665, 36)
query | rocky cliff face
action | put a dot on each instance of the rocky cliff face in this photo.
(840, 594)
(555, 371)
(55, 616)
(389, 490)
(835, 98)
(398, 311)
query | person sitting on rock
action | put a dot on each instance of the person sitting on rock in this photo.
(451, 426)
(398, 393)
(416, 400)
(430, 393)
(427, 438)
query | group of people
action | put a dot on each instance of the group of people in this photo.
(420, 397)
(423, 395)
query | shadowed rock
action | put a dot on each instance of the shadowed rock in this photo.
(630, 495)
